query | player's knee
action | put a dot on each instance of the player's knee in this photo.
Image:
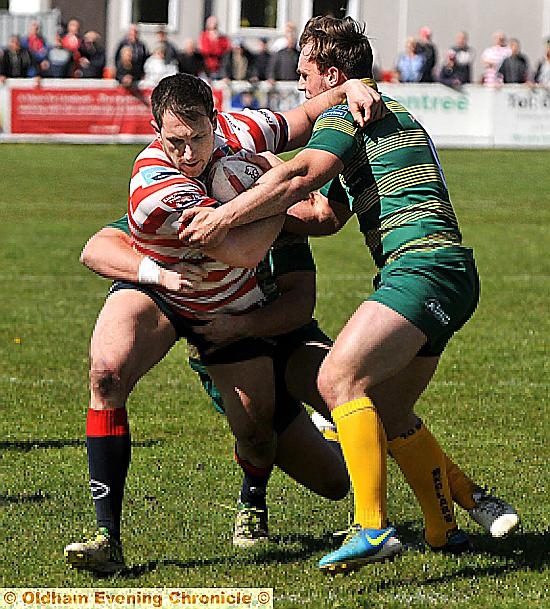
(328, 384)
(258, 450)
(105, 383)
(337, 385)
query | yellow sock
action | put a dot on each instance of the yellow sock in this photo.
(363, 443)
(462, 487)
(422, 462)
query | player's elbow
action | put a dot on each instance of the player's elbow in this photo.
(88, 254)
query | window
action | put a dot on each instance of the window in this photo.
(4, 5)
(329, 7)
(259, 14)
(144, 11)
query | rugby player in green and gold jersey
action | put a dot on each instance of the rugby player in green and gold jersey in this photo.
(427, 287)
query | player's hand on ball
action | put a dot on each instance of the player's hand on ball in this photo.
(265, 160)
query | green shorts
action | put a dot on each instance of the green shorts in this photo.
(437, 292)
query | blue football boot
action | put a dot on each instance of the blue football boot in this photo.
(361, 546)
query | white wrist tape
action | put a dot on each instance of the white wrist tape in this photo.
(149, 271)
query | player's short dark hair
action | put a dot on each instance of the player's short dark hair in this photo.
(185, 95)
(339, 43)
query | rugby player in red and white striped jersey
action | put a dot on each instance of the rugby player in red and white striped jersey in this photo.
(139, 324)
(159, 192)
(166, 180)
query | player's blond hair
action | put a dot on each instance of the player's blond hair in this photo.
(339, 43)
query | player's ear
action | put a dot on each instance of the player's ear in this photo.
(333, 77)
(215, 119)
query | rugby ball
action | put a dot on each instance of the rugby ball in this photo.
(231, 175)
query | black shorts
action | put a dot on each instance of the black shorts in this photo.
(239, 351)
(286, 407)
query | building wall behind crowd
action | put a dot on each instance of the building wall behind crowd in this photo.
(389, 23)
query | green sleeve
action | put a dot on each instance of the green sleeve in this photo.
(334, 131)
(120, 224)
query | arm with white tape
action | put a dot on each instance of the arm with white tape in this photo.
(109, 253)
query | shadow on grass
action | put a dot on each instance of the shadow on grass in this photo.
(27, 445)
(20, 498)
(279, 550)
(520, 551)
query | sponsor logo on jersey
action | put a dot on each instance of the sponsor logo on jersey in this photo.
(150, 175)
(433, 306)
(340, 111)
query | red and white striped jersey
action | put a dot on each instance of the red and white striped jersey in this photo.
(159, 193)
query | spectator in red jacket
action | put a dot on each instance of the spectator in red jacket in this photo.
(213, 45)
(71, 41)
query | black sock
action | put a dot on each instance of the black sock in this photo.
(108, 444)
(255, 481)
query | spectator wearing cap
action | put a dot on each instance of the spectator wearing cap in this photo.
(427, 48)
(464, 57)
(515, 67)
(542, 74)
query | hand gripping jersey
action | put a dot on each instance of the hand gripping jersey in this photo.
(159, 193)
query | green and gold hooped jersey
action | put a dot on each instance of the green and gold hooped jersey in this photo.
(392, 180)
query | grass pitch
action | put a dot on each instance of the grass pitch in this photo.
(487, 404)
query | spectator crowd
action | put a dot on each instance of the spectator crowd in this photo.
(216, 56)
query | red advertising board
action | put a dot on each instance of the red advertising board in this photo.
(85, 111)
(80, 111)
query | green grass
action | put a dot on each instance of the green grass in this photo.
(487, 404)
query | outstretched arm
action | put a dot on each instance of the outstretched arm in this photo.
(364, 103)
(245, 246)
(109, 253)
(275, 191)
